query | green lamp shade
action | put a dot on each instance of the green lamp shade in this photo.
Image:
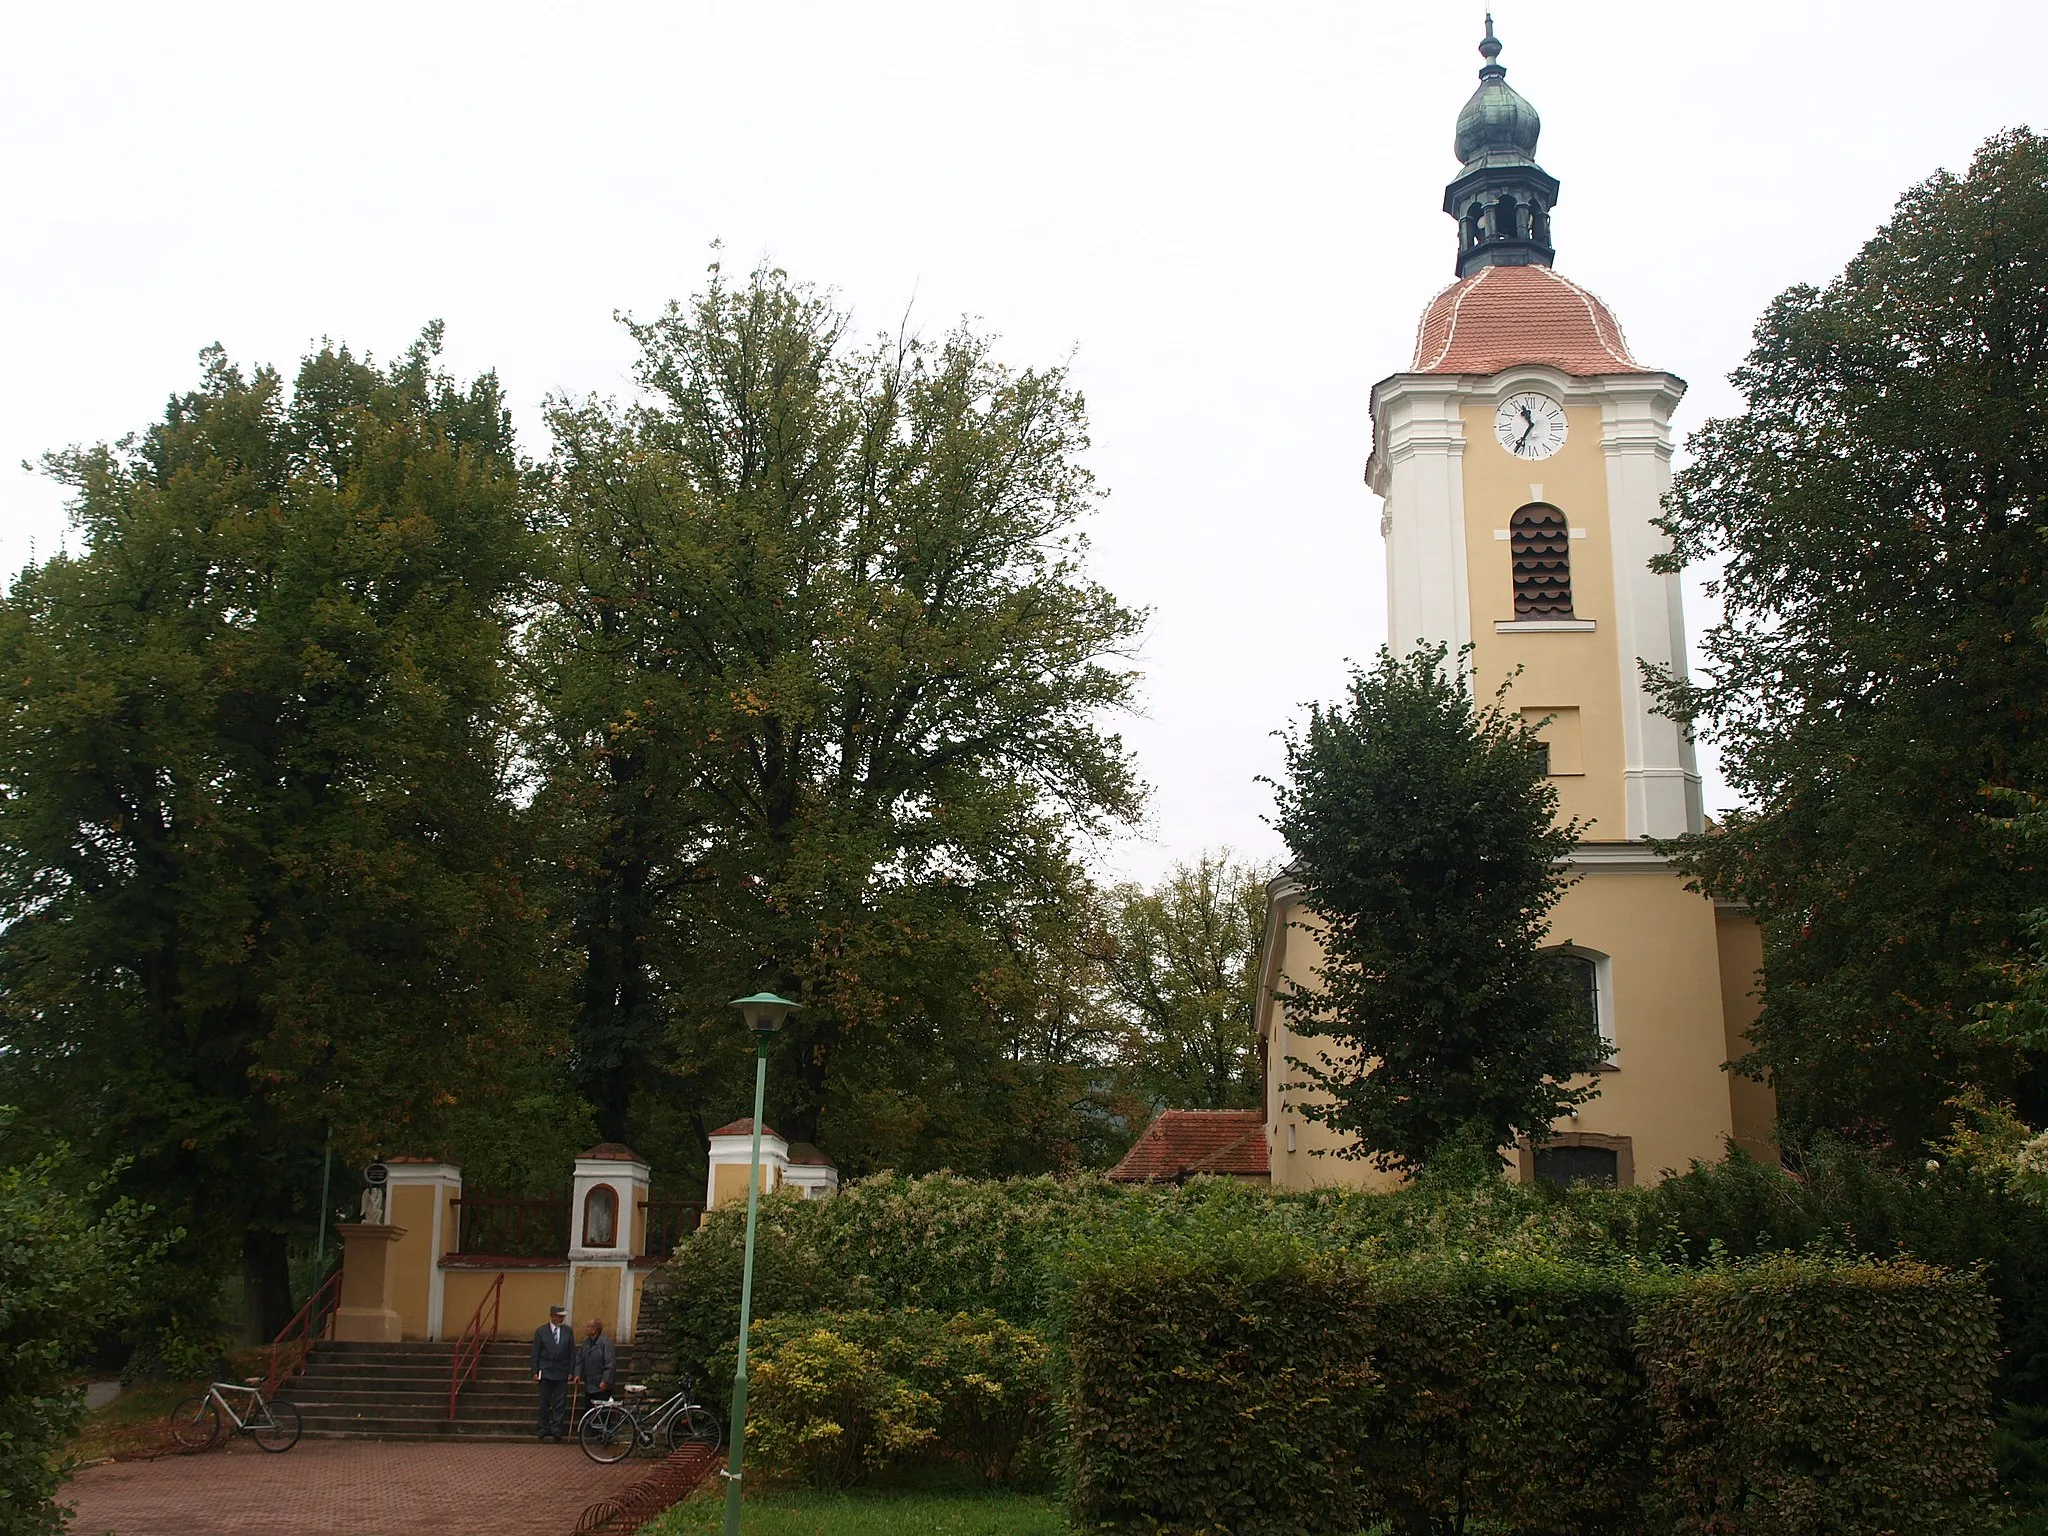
(763, 1011)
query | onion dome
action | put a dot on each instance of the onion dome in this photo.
(1501, 198)
(1498, 126)
(1504, 315)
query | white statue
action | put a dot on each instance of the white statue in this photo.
(373, 1206)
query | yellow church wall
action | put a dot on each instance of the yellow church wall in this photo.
(1559, 670)
(1669, 958)
(1754, 1105)
(1668, 1094)
(1300, 1151)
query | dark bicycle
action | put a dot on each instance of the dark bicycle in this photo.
(614, 1427)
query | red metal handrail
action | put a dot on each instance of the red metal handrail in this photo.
(472, 1342)
(294, 1342)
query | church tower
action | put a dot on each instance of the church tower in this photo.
(1520, 460)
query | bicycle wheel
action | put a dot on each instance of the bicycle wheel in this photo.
(695, 1426)
(607, 1433)
(194, 1424)
(277, 1427)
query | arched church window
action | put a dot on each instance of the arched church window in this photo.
(1588, 973)
(1539, 223)
(1475, 225)
(1539, 550)
(601, 1217)
(1507, 219)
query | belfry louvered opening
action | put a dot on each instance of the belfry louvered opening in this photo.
(1539, 544)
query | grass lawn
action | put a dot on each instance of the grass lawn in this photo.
(877, 1512)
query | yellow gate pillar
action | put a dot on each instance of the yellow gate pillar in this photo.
(366, 1315)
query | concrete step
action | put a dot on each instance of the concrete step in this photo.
(400, 1391)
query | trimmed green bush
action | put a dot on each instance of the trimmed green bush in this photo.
(821, 1409)
(850, 1386)
(1512, 1395)
(1795, 1397)
(987, 1377)
(1223, 1388)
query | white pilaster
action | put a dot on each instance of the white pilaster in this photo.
(1660, 775)
(1418, 467)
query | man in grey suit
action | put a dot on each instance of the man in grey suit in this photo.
(597, 1362)
(554, 1362)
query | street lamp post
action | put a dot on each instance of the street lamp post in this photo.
(764, 1013)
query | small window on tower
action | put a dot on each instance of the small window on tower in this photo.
(1539, 546)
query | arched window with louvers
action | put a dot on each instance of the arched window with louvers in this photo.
(1539, 547)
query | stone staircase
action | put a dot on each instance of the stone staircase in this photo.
(400, 1392)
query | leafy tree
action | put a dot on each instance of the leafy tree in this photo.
(1877, 510)
(65, 1277)
(259, 868)
(1181, 964)
(821, 682)
(1424, 833)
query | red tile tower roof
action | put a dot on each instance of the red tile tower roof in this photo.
(744, 1128)
(1180, 1142)
(1500, 316)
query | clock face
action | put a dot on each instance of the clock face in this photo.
(1530, 426)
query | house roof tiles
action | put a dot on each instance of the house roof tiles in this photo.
(1180, 1142)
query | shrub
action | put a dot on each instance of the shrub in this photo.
(1220, 1388)
(822, 1408)
(1512, 1394)
(1798, 1396)
(985, 1381)
(64, 1275)
(986, 1376)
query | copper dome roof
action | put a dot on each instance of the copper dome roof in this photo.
(1501, 316)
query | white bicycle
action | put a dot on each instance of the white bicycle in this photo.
(199, 1421)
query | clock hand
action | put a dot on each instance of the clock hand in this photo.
(1525, 433)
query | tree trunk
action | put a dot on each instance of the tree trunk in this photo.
(266, 1285)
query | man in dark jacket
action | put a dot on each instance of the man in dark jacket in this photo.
(597, 1362)
(554, 1361)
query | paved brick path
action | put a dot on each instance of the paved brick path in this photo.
(349, 1488)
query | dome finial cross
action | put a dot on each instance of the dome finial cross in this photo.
(1489, 48)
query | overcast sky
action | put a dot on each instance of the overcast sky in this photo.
(1227, 215)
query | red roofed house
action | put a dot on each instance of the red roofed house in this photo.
(1180, 1143)
(1520, 461)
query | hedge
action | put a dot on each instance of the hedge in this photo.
(1225, 1389)
(1512, 1394)
(1795, 1396)
(1251, 1387)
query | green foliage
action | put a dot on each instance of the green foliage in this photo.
(1426, 835)
(822, 1409)
(1226, 1387)
(1876, 514)
(1795, 1396)
(66, 1275)
(1181, 970)
(823, 681)
(981, 1383)
(1512, 1397)
(892, 1511)
(1251, 1385)
(259, 866)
